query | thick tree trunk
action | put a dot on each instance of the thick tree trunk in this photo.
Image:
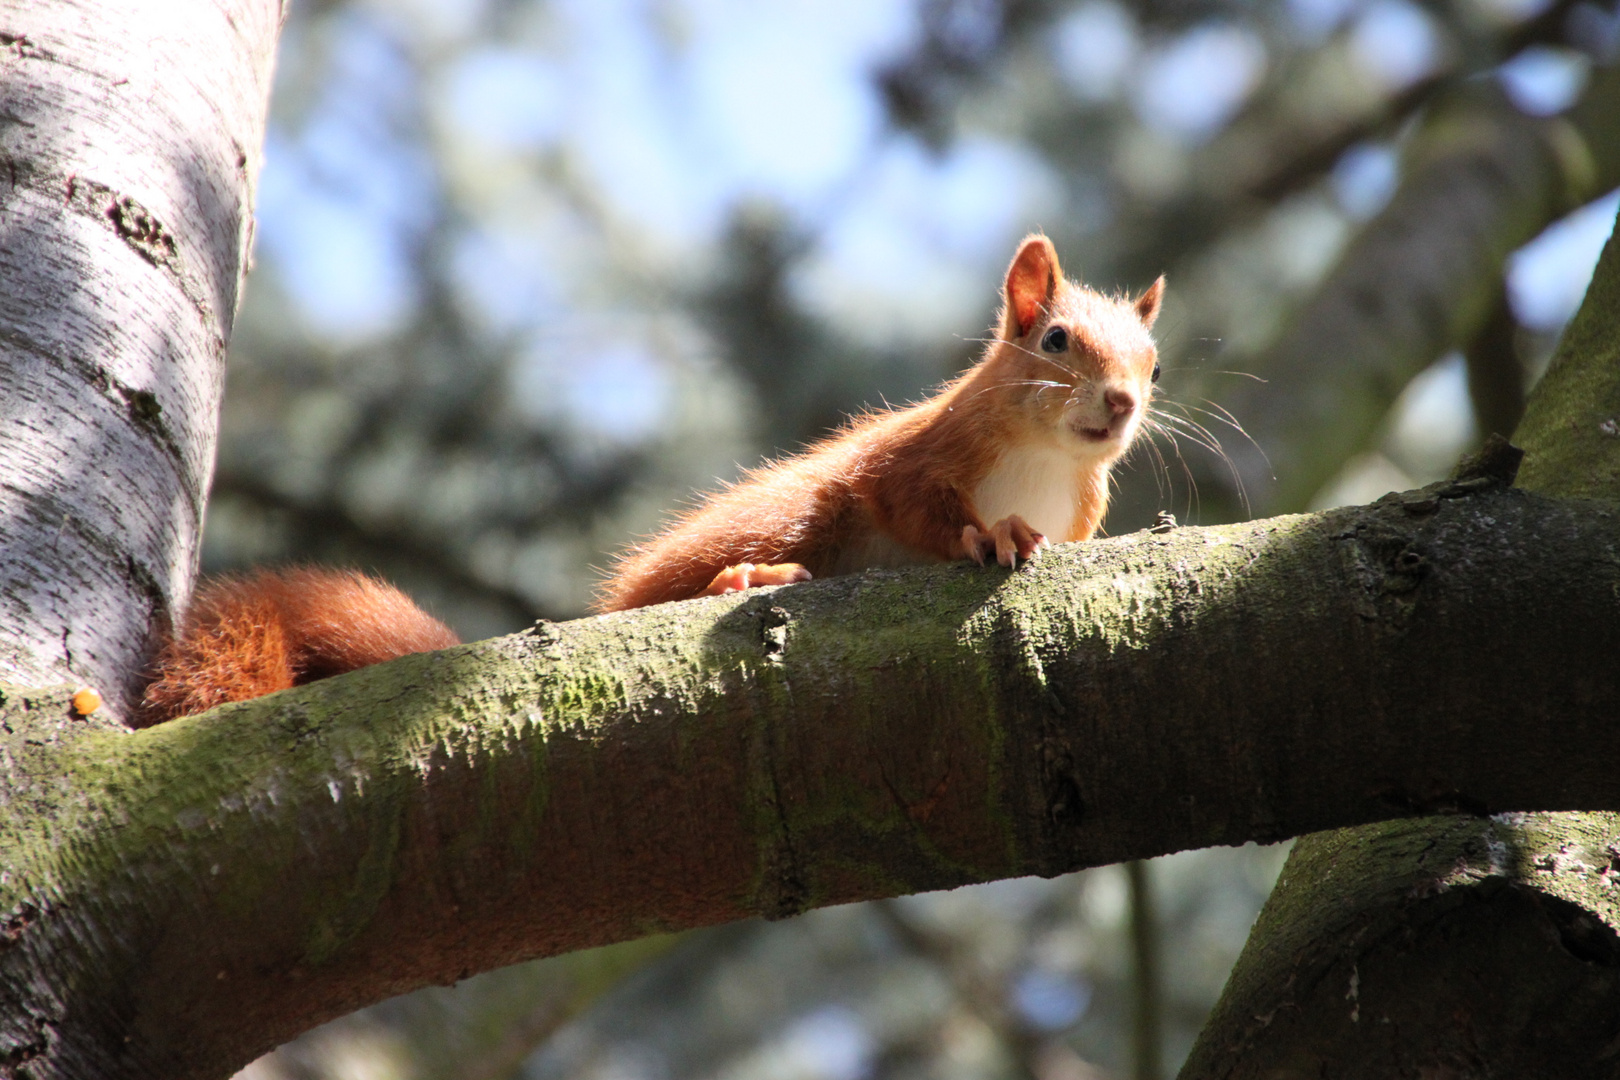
(203, 890)
(1457, 948)
(130, 133)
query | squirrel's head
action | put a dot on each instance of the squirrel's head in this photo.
(1082, 364)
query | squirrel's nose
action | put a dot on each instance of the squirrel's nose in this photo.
(1120, 402)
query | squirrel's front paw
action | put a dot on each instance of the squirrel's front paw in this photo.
(1009, 539)
(747, 575)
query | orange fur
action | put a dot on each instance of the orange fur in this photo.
(903, 486)
(244, 637)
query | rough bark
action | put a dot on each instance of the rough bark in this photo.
(1461, 948)
(183, 898)
(1455, 948)
(130, 134)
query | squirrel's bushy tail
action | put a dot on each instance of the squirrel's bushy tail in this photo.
(245, 636)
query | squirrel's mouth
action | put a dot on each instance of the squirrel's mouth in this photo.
(1114, 429)
(1091, 434)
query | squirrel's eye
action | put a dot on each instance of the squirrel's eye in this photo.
(1156, 370)
(1056, 339)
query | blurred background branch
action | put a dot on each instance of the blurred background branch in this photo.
(531, 272)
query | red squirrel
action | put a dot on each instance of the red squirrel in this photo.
(1022, 441)
(247, 636)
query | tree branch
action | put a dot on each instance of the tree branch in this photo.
(1455, 948)
(1495, 372)
(231, 879)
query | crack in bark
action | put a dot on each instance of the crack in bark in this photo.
(139, 229)
(18, 1054)
(143, 232)
(21, 47)
(146, 413)
(142, 405)
(12, 927)
(789, 894)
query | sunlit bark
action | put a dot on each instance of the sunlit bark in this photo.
(130, 134)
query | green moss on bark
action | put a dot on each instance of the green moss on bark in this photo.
(1456, 946)
(1571, 427)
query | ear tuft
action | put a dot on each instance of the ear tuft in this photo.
(1147, 305)
(1032, 280)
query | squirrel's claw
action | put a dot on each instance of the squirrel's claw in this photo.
(975, 543)
(1009, 539)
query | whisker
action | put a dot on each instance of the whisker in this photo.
(1231, 421)
(1201, 435)
(1194, 496)
(1192, 429)
(1187, 423)
(1044, 384)
(1161, 475)
(1156, 429)
(1198, 434)
(1169, 370)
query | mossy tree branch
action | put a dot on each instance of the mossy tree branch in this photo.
(1457, 947)
(183, 898)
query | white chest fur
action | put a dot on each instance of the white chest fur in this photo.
(1039, 484)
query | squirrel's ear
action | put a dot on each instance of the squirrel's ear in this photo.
(1031, 281)
(1147, 305)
